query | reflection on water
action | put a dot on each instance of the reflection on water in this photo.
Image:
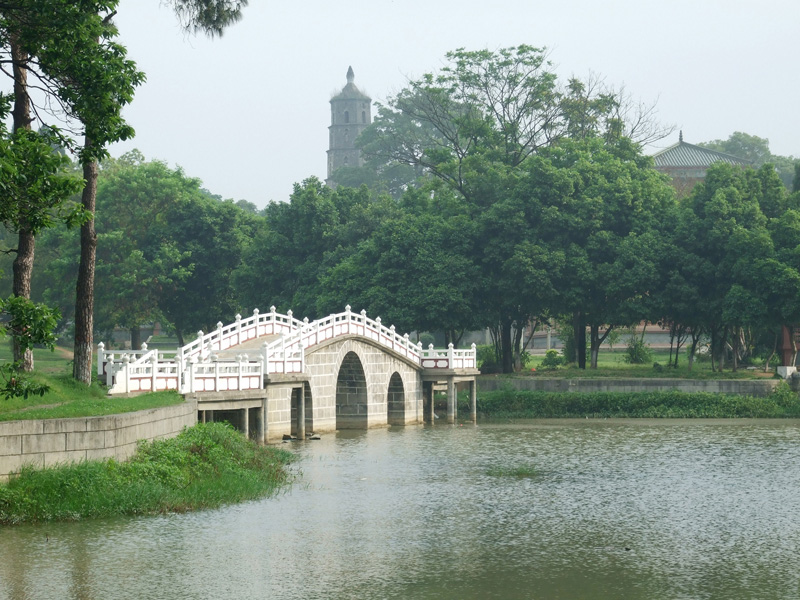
(617, 509)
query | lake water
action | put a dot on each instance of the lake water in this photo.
(617, 509)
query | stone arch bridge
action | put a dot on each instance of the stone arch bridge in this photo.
(275, 375)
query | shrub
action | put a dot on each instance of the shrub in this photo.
(637, 352)
(552, 360)
(487, 359)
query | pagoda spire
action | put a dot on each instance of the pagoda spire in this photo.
(350, 75)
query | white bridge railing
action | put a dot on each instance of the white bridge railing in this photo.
(197, 366)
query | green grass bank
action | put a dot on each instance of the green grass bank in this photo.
(206, 466)
(517, 404)
(69, 399)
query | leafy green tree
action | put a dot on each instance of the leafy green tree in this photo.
(415, 271)
(473, 125)
(28, 324)
(737, 280)
(299, 241)
(602, 208)
(166, 250)
(756, 150)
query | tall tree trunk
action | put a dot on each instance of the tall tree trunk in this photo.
(136, 338)
(596, 341)
(84, 291)
(579, 326)
(23, 263)
(695, 341)
(506, 346)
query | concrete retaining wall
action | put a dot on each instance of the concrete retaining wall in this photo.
(721, 386)
(44, 443)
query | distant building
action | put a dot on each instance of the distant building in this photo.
(351, 112)
(686, 164)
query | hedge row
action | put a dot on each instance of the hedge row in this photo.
(508, 403)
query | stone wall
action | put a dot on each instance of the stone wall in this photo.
(323, 364)
(720, 386)
(44, 443)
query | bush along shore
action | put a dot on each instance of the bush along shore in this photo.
(515, 404)
(205, 466)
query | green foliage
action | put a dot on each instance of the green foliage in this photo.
(154, 226)
(28, 324)
(35, 182)
(637, 352)
(209, 16)
(552, 360)
(756, 150)
(524, 404)
(487, 358)
(204, 467)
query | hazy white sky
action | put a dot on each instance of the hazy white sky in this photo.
(248, 113)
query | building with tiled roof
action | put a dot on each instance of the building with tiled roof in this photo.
(686, 164)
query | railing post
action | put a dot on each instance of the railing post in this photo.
(391, 328)
(378, 327)
(272, 318)
(192, 363)
(474, 356)
(242, 360)
(101, 352)
(290, 314)
(200, 346)
(126, 361)
(348, 317)
(450, 354)
(265, 358)
(154, 367)
(238, 329)
(179, 364)
(110, 372)
(219, 336)
(144, 347)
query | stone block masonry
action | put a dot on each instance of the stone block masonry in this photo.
(44, 443)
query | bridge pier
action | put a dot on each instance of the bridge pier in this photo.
(301, 414)
(473, 400)
(452, 405)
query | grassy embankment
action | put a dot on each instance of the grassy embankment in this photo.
(206, 466)
(513, 404)
(612, 364)
(67, 398)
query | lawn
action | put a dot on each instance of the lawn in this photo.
(68, 398)
(611, 364)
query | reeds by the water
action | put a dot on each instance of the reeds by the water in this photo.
(206, 466)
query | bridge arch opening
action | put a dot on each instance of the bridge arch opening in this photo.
(351, 394)
(396, 401)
